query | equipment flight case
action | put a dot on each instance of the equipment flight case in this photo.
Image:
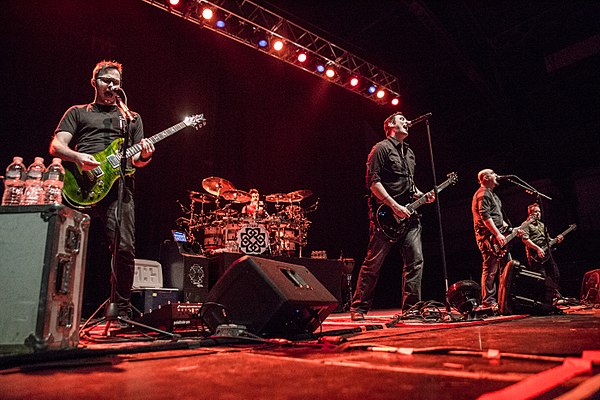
(42, 263)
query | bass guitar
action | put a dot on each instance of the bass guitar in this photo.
(500, 251)
(85, 188)
(533, 254)
(392, 225)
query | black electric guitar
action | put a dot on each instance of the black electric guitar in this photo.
(85, 188)
(533, 254)
(500, 251)
(392, 225)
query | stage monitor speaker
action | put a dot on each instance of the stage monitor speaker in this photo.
(269, 297)
(523, 291)
(185, 271)
(590, 287)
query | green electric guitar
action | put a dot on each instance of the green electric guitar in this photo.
(85, 188)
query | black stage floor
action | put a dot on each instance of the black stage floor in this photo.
(516, 357)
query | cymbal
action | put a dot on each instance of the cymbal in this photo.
(299, 195)
(277, 197)
(215, 185)
(201, 197)
(237, 196)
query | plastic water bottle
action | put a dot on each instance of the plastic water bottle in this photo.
(53, 182)
(14, 183)
(34, 189)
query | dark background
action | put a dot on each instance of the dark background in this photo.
(481, 68)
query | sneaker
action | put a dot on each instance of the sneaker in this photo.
(357, 316)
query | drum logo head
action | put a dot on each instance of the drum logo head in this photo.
(253, 239)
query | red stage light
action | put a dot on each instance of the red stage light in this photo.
(354, 81)
(301, 57)
(173, 2)
(380, 94)
(395, 102)
(330, 73)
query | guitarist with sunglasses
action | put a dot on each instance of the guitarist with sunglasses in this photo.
(390, 172)
(83, 131)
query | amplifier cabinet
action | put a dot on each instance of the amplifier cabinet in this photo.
(185, 271)
(42, 263)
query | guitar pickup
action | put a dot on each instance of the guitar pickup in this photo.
(114, 161)
(93, 174)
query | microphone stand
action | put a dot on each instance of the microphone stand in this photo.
(111, 313)
(439, 216)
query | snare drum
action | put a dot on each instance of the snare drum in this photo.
(253, 239)
(212, 237)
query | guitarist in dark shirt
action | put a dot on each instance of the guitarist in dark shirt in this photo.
(489, 223)
(91, 128)
(536, 239)
(390, 173)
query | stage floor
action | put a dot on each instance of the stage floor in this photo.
(523, 356)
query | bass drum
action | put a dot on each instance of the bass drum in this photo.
(253, 239)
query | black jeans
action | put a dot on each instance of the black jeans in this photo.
(410, 248)
(106, 213)
(491, 269)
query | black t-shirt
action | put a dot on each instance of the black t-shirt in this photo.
(94, 127)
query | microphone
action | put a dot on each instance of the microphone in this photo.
(504, 177)
(419, 119)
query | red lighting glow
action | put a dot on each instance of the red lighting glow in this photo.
(330, 73)
(301, 57)
(380, 94)
(278, 45)
(395, 102)
(207, 13)
(173, 2)
(354, 81)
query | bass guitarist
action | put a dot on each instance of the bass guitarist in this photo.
(390, 179)
(536, 239)
(89, 129)
(489, 222)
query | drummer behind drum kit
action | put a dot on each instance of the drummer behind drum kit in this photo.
(213, 221)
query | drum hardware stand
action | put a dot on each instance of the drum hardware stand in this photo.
(111, 313)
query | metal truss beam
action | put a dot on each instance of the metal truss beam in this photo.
(244, 20)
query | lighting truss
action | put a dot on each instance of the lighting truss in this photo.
(244, 19)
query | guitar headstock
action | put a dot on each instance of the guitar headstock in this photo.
(196, 121)
(452, 178)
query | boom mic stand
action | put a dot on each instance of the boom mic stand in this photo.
(111, 313)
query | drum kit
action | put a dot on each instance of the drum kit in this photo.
(214, 221)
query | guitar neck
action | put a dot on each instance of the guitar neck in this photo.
(423, 199)
(136, 148)
(563, 234)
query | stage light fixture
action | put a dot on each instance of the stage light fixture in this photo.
(395, 102)
(330, 72)
(380, 94)
(220, 24)
(372, 89)
(278, 45)
(173, 2)
(320, 68)
(302, 57)
(207, 13)
(354, 82)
